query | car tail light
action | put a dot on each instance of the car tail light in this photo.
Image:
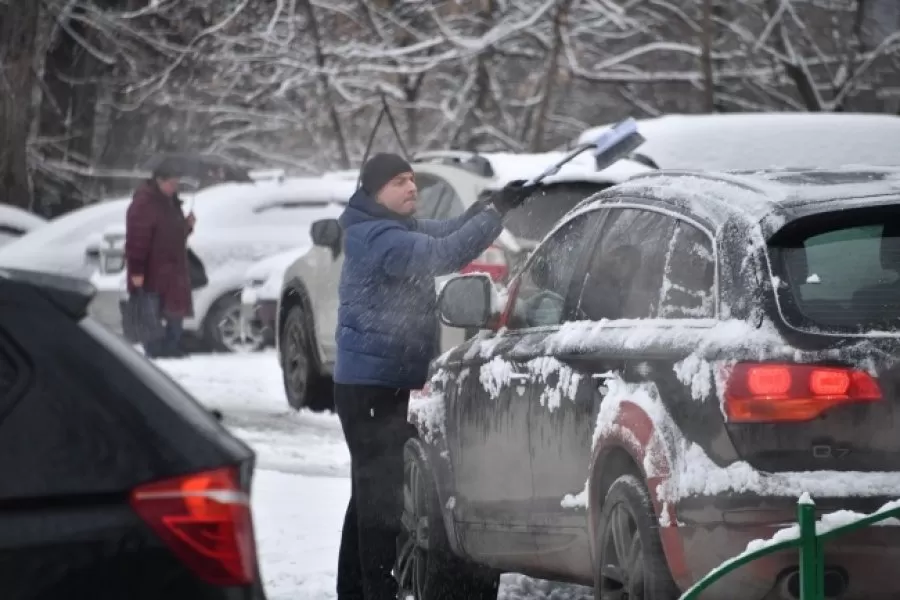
(205, 521)
(772, 392)
(492, 261)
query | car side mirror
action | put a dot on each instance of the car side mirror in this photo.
(469, 301)
(327, 233)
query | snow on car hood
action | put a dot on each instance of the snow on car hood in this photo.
(280, 262)
(239, 248)
(765, 140)
(265, 278)
(20, 219)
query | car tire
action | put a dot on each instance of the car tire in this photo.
(645, 574)
(427, 569)
(303, 385)
(224, 315)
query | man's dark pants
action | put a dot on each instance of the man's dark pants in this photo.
(374, 420)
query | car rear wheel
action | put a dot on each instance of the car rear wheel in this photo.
(227, 331)
(631, 564)
(426, 567)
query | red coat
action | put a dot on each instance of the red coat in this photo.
(156, 234)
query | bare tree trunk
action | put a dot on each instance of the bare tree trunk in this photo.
(411, 89)
(326, 87)
(707, 35)
(18, 33)
(550, 78)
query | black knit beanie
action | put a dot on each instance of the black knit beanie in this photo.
(380, 169)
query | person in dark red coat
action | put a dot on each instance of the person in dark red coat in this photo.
(156, 232)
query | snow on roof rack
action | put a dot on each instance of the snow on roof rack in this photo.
(736, 180)
(341, 174)
(268, 175)
(465, 159)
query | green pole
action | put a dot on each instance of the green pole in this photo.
(811, 587)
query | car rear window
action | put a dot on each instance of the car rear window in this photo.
(538, 215)
(843, 271)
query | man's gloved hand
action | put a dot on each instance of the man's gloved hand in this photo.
(476, 207)
(511, 196)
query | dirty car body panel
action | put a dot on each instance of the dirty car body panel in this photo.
(731, 340)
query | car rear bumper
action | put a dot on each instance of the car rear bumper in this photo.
(711, 534)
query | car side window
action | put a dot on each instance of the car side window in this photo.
(437, 198)
(625, 273)
(546, 281)
(688, 286)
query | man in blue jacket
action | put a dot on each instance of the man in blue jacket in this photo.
(387, 335)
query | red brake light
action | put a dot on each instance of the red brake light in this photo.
(205, 521)
(767, 393)
(492, 261)
(768, 380)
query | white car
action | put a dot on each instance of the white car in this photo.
(15, 222)
(61, 246)
(754, 141)
(238, 224)
(449, 182)
(262, 287)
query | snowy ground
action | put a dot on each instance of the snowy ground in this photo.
(301, 486)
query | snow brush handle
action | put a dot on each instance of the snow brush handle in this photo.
(609, 147)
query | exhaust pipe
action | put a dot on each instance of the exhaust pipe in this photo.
(835, 584)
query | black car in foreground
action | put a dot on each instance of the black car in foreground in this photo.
(114, 483)
(680, 360)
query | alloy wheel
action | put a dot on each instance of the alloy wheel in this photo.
(622, 576)
(296, 361)
(413, 557)
(236, 333)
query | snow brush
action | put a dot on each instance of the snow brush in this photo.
(608, 148)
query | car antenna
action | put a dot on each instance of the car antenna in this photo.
(385, 110)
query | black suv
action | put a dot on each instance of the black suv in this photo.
(676, 363)
(114, 482)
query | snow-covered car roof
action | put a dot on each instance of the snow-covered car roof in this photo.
(767, 140)
(509, 167)
(503, 167)
(767, 195)
(15, 217)
(233, 202)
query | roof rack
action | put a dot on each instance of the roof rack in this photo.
(268, 175)
(741, 182)
(464, 159)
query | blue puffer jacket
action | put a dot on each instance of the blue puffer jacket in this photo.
(387, 329)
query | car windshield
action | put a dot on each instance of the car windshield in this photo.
(843, 273)
(534, 219)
